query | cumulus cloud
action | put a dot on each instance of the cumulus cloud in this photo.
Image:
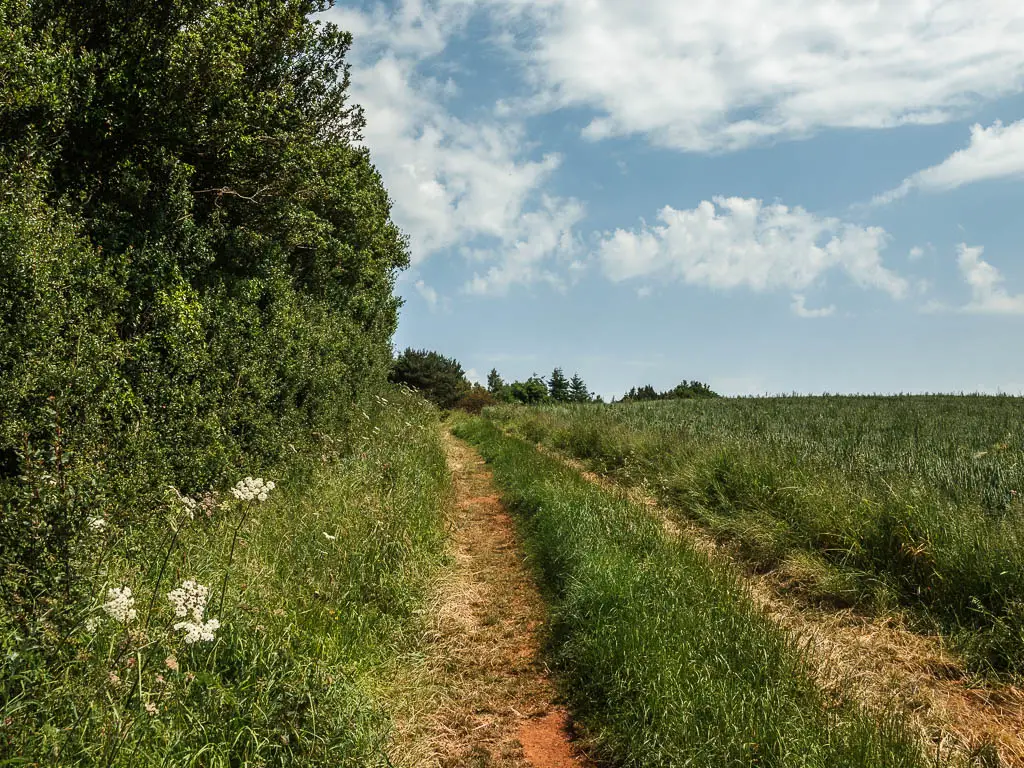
(543, 240)
(712, 75)
(736, 242)
(988, 295)
(996, 152)
(800, 308)
(458, 185)
(428, 293)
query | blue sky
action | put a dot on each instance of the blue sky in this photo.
(767, 195)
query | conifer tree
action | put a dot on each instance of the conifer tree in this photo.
(494, 383)
(578, 392)
(558, 386)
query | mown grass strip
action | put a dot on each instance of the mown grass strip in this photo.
(664, 659)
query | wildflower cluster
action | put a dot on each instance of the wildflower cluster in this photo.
(97, 523)
(119, 605)
(189, 600)
(252, 488)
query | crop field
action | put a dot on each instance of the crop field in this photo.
(876, 502)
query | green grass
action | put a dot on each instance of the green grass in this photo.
(663, 658)
(324, 587)
(912, 501)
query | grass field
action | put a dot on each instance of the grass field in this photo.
(873, 501)
(323, 582)
(663, 658)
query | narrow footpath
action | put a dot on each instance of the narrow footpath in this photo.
(494, 702)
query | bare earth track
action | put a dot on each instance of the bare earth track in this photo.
(493, 701)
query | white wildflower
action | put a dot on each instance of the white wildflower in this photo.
(196, 631)
(188, 504)
(252, 488)
(190, 600)
(97, 523)
(93, 623)
(119, 605)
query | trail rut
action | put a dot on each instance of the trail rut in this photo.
(494, 703)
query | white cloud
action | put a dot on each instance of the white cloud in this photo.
(988, 296)
(800, 308)
(710, 75)
(736, 242)
(457, 185)
(429, 294)
(526, 254)
(996, 152)
(916, 253)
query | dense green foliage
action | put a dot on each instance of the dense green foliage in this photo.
(685, 390)
(913, 501)
(326, 585)
(438, 378)
(530, 392)
(196, 260)
(666, 661)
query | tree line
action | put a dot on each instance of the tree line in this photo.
(443, 380)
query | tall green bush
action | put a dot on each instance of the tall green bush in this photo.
(196, 259)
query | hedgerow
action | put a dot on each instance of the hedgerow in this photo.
(196, 262)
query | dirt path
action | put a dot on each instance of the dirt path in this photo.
(878, 659)
(493, 703)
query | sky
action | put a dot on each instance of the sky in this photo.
(770, 196)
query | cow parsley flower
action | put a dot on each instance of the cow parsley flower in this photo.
(189, 600)
(188, 504)
(97, 523)
(119, 605)
(93, 623)
(253, 488)
(196, 631)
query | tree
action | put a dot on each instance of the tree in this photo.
(530, 392)
(440, 379)
(558, 386)
(476, 399)
(578, 392)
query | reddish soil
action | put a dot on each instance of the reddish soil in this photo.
(494, 703)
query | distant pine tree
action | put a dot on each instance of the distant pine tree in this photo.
(558, 386)
(494, 382)
(578, 392)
